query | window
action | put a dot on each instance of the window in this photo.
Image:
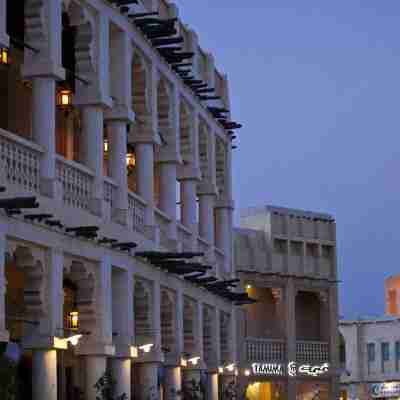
(385, 354)
(371, 352)
(397, 355)
(385, 351)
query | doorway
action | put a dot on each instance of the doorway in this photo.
(264, 391)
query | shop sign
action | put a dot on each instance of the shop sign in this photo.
(307, 369)
(293, 369)
(268, 369)
(386, 389)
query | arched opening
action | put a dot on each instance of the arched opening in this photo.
(142, 314)
(308, 316)
(189, 340)
(203, 152)
(15, 92)
(168, 322)
(225, 337)
(208, 334)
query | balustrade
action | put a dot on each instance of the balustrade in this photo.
(77, 183)
(312, 351)
(265, 350)
(184, 237)
(162, 221)
(136, 210)
(109, 190)
(20, 161)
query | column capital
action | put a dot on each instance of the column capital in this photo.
(225, 203)
(143, 135)
(207, 189)
(189, 172)
(168, 154)
(119, 113)
(91, 98)
(92, 348)
(43, 69)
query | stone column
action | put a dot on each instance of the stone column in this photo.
(44, 375)
(172, 382)
(188, 202)
(212, 386)
(145, 177)
(122, 324)
(168, 193)
(206, 195)
(4, 39)
(119, 116)
(94, 369)
(92, 150)
(223, 239)
(96, 347)
(290, 323)
(4, 336)
(44, 69)
(117, 139)
(122, 375)
(334, 342)
(147, 387)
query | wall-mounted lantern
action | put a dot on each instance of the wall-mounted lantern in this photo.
(73, 320)
(64, 100)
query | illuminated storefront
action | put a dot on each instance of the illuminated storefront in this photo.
(385, 390)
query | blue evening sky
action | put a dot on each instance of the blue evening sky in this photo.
(316, 84)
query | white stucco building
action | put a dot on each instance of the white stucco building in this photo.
(116, 139)
(288, 340)
(371, 351)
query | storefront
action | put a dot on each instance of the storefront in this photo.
(267, 381)
(385, 390)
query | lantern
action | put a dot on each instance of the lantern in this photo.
(130, 160)
(64, 100)
(74, 320)
(4, 56)
(105, 146)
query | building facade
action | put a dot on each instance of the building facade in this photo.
(288, 340)
(128, 161)
(371, 351)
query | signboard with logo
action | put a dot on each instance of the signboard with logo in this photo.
(292, 369)
(386, 389)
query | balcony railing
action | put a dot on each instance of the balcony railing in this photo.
(184, 237)
(265, 350)
(20, 161)
(109, 189)
(162, 221)
(136, 210)
(202, 245)
(312, 351)
(77, 182)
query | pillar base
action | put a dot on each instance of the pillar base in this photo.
(51, 188)
(120, 216)
(4, 336)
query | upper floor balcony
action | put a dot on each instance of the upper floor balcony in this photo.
(122, 155)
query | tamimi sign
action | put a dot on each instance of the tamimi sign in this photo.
(292, 369)
(387, 389)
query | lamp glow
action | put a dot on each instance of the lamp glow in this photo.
(183, 362)
(105, 146)
(194, 360)
(248, 287)
(230, 367)
(130, 160)
(4, 56)
(74, 319)
(247, 372)
(220, 370)
(134, 352)
(73, 339)
(146, 347)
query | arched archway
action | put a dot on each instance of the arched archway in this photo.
(140, 98)
(168, 321)
(189, 315)
(142, 313)
(185, 138)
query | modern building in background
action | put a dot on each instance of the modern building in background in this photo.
(121, 143)
(371, 353)
(288, 340)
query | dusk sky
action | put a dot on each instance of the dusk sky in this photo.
(316, 84)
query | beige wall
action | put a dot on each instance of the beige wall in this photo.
(263, 319)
